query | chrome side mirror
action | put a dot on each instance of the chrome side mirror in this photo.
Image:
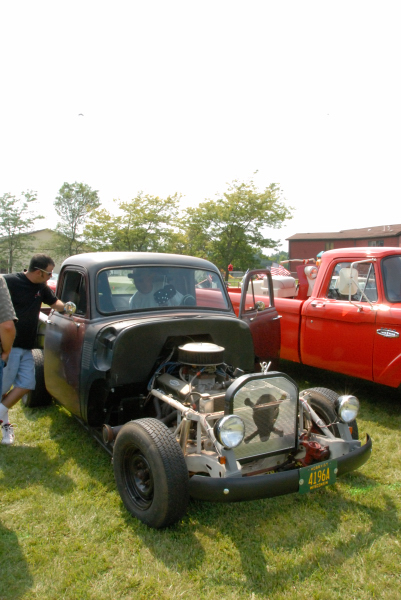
(70, 308)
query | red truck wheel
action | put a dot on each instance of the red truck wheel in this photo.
(151, 473)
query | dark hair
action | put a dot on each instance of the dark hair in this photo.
(40, 261)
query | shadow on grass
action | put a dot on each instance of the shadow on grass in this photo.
(24, 466)
(76, 443)
(281, 542)
(12, 587)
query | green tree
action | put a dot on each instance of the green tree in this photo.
(278, 257)
(231, 229)
(74, 204)
(17, 217)
(144, 224)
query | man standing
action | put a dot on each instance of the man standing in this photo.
(27, 290)
(7, 327)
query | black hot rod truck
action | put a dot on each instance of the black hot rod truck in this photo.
(152, 359)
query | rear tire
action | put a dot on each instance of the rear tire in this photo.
(151, 473)
(39, 396)
(323, 400)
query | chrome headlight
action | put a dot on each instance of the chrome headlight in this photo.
(347, 408)
(229, 431)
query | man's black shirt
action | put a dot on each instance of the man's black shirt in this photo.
(27, 298)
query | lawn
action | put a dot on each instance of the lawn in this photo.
(64, 533)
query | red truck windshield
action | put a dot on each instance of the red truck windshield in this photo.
(391, 268)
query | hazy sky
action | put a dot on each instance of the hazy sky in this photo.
(184, 96)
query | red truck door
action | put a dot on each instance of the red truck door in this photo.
(387, 349)
(337, 334)
(259, 312)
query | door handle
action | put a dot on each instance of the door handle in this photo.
(317, 304)
(388, 333)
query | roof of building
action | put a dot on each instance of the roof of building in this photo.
(379, 231)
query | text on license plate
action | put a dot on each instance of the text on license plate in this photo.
(317, 476)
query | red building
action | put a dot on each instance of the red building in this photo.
(308, 245)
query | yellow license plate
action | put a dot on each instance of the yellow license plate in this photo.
(317, 476)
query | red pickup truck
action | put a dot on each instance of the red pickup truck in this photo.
(344, 315)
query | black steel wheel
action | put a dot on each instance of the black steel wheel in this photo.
(322, 400)
(151, 473)
(39, 396)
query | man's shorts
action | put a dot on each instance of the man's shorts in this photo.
(20, 370)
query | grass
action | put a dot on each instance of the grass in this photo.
(64, 533)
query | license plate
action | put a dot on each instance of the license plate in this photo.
(317, 476)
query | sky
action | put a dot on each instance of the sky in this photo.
(188, 96)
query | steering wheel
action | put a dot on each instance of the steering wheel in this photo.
(188, 300)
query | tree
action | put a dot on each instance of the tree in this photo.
(145, 224)
(75, 202)
(16, 219)
(231, 229)
(278, 257)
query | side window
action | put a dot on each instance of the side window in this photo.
(365, 282)
(333, 291)
(74, 290)
(258, 290)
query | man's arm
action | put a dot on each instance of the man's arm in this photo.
(7, 336)
(58, 306)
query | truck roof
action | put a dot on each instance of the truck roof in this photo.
(92, 260)
(360, 253)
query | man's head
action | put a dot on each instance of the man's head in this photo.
(143, 279)
(40, 268)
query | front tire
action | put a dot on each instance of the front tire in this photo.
(39, 396)
(151, 473)
(323, 400)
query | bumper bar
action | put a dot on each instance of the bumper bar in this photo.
(237, 489)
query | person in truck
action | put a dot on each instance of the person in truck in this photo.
(28, 291)
(150, 285)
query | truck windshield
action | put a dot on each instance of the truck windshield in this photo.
(157, 287)
(391, 268)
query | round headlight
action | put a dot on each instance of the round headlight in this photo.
(347, 408)
(229, 431)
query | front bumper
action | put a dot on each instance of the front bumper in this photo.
(236, 489)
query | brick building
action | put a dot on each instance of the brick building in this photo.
(308, 245)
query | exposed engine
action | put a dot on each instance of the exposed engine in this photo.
(199, 377)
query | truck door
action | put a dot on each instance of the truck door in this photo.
(337, 334)
(258, 311)
(64, 340)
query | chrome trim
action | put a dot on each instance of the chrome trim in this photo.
(388, 333)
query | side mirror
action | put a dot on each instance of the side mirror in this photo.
(348, 282)
(70, 308)
(259, 305)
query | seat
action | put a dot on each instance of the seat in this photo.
(105, 300)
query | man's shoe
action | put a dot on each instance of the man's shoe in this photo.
(8, 434)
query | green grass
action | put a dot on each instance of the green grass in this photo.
(64, 533)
